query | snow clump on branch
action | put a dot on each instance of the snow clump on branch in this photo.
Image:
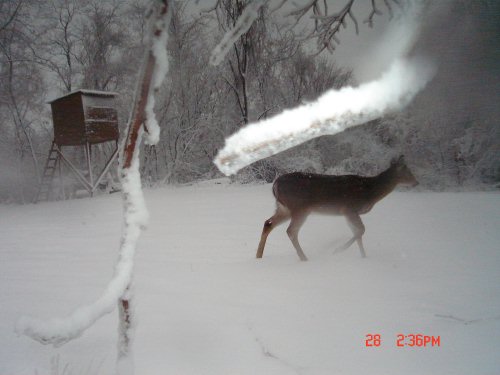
(245, 21)
(333, 112)
(159, 51)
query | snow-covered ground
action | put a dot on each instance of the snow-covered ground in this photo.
(205, 305)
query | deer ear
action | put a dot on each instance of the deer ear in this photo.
(398, 161)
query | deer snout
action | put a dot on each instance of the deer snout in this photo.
(411, 181)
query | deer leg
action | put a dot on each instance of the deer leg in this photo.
(358, 229)
(361, 247)
(293, 232)
(346, 245)
(279, 216)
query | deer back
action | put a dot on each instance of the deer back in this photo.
(308, 191)
(339, 194)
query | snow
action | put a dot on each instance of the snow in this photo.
(159, 51)
(85, 91)
(153, 133)
(58, 331)
(331, 113)
(205, 305)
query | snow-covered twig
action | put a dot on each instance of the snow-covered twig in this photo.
(62, 330)
(249, 14)
(333, 112)
(159, 51)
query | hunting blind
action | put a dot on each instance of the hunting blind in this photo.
(82, 118)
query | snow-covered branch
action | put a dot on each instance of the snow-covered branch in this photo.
(333, 112)
(159, 51)
(245, 21)
(59, 331)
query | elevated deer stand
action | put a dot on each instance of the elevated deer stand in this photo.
(82, 118)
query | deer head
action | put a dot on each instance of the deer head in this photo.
(405, 176)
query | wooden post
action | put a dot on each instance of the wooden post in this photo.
(89, 167)
(62, 191)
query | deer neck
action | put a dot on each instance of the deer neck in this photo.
(385, 183)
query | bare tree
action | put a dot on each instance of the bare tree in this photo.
(21, 83)
(328, 23)
(239, 60)
(103, 37)
(188, 106)
(58, 48)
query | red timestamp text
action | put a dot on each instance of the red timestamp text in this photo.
(373, 340)
(410, 340)
(417, 340)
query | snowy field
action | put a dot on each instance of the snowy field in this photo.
(205, 305)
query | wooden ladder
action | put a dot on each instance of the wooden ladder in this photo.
(49, 171)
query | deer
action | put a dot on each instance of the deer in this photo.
(299, 194)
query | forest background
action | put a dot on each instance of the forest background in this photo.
(449, 134)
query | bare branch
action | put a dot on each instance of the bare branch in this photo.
(374, 11)
(302, 11)
(327, 26)
(389, 8)
(279, 6)
(354, 20)
(12, 16)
